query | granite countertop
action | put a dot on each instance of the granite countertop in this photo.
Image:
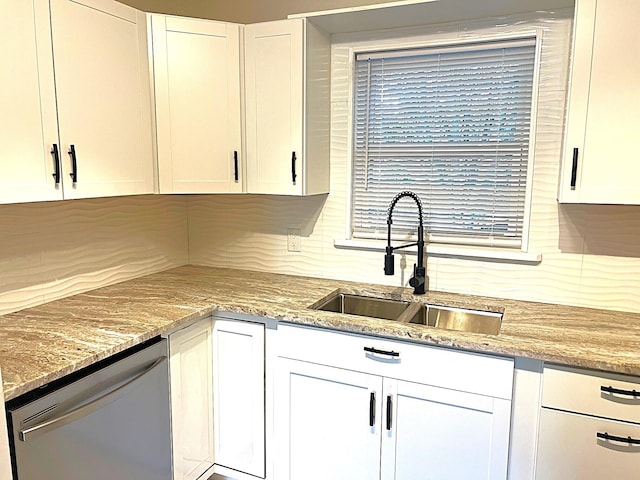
(44, 343)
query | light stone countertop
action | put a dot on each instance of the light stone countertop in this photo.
(44, 343)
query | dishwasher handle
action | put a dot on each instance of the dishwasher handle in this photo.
(84, 410)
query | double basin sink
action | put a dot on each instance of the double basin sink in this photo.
(401, 311)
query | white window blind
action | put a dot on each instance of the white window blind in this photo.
(451, 124)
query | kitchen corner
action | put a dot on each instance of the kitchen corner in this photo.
(191, 264)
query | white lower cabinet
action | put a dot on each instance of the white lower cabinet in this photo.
(239, 396)
(589, 425)
(190, 371)
(353, 420)
(327, 422)
(443, 434)
(217, 386)
(569, 448)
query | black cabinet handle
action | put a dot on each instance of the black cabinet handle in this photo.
(574, 169)
(293, 167)
(617, 391)
(56, 163)
(372, 409)
(381, 352)
(389, 411)
(613, 438)
(235, 165)
(74, 163)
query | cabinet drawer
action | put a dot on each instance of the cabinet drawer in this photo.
(568, 448)
(442, 367)
(593, 393)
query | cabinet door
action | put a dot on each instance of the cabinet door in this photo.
(239, 396)
(28, 126)
(103, 93)
(327, 423)
(190, 368)
(440, 433)
(274, 106)
(197, 85)
(604, 105)
(569, 448)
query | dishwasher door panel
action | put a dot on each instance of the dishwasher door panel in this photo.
(113, 424)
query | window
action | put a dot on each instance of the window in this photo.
(453, 125)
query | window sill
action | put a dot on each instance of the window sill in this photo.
(449, 251)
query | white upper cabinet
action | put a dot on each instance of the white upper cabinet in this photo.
(287, 86)
(198, 110)
(103, 94)
(28, 128)
(603, 118)
(98, 106)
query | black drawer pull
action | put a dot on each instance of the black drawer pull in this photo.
(235, 165)
(389, 411)
(293, 167)
(613, 438)
(372, 409)
(74, 164)
(56, 163)
(381, 352)
(617, 391)
(574, 169)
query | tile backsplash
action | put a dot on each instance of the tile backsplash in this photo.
(53, 249)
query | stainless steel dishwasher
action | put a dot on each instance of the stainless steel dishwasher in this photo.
(112, 423)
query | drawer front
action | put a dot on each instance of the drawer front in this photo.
(593, 393)
(437, 366)
(569, 449)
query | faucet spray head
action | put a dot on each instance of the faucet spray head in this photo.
(388, 262)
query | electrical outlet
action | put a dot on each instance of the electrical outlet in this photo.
(293, 240)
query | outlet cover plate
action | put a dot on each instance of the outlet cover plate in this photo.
(293, 240)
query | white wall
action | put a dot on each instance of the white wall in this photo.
(591, 254)
(51, 250)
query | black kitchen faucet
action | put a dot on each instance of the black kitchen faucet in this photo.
(419, 279)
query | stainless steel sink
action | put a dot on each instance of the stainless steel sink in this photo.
(367, 306)
(451, 318)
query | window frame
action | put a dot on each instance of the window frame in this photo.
(396, 44)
